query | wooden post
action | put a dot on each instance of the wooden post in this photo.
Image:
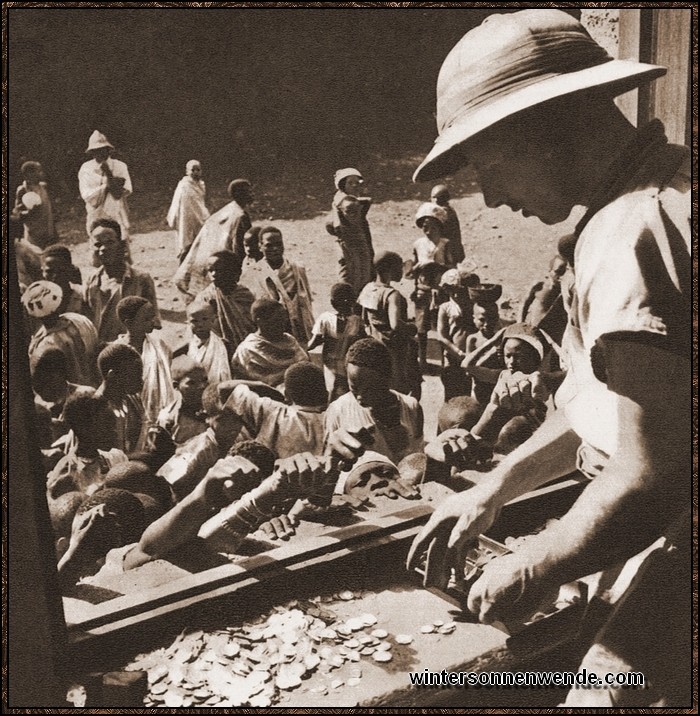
(670, 95)
(36, 632)
(660, 37)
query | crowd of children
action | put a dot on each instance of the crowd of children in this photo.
(173, 434)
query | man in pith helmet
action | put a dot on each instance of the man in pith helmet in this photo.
(527, 99)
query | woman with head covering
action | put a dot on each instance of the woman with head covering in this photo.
(188, 209)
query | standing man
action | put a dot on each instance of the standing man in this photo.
(104, 185)
(527, 99)
(222, 231)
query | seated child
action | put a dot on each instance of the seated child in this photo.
(138, 316)
(57, 266)
(395, 420)
(184, 418)
(431, 257)
(122, 381)
(287, 429)
(206, 347)
(189, 465)
(92, 453)
(336, 331)
(251, 247)
(52, 389)
(231, 301)
(71, 333)
(266, 354)
(384, 314)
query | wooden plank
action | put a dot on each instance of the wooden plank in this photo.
(301, 549)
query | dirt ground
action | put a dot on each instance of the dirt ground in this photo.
(504, 247)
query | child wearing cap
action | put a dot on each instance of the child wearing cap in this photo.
(188, 209)
(71, 333)
(138, 317)
(206, 347)
(431, 257)
(33, 207)
(394, 420)
(286, 428)
(506, 423)
(385, 317)
(336, 330)
(266, 354)
(349, 182)
(230, 300)
(440, 196)
(183, 417)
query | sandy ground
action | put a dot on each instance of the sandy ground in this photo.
(504, 247)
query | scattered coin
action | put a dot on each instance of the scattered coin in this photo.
(382, 656)
(403, 638)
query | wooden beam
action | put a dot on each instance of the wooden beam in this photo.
(35, 630)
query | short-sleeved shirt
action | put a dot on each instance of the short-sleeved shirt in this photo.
(285, 429)
(633, 275)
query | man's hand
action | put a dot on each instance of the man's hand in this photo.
(228, 480)
(511, 589)
(449, 532)
(306, 473)
(520, 393)
(282, 527)
(346, 447)
(458, 448)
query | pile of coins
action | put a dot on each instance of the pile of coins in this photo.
(253, 664)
